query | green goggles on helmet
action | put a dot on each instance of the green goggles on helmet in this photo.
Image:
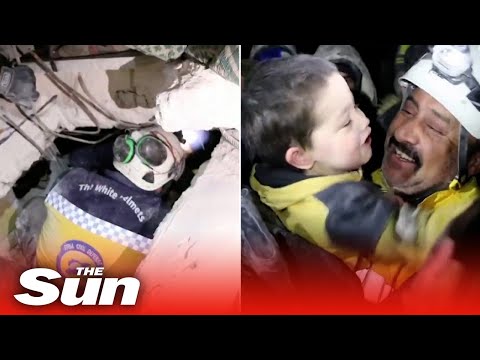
(151, 150)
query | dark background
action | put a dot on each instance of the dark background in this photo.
(379, 58)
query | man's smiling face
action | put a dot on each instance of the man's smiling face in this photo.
(421, 148)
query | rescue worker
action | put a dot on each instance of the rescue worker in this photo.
(432, 148)
(108, 218)
(309, 142)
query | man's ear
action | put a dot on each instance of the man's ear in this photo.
(299, 158)
(474, 164)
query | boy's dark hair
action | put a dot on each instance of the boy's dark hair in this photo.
(277, 105)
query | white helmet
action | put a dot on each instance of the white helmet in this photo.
(451, 75)
(149, 158)
(260, 52)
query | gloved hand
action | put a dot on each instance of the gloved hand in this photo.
(18, 85)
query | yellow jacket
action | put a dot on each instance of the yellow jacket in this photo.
(350, 218)
(96, 221)
(442, 207)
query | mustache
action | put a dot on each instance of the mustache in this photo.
(407, 149)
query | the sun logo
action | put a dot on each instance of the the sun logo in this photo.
(92, 295)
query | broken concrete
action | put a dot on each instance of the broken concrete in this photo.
(18, 154)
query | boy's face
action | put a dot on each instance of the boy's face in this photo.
(341, 141)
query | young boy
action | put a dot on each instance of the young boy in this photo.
(309, 142)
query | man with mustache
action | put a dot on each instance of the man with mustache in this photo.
(309, 140)
(432, 149)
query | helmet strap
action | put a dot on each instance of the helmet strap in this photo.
(462, 174)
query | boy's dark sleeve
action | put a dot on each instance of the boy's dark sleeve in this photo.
(358, 216)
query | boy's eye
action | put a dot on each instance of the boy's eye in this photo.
(347, 123)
